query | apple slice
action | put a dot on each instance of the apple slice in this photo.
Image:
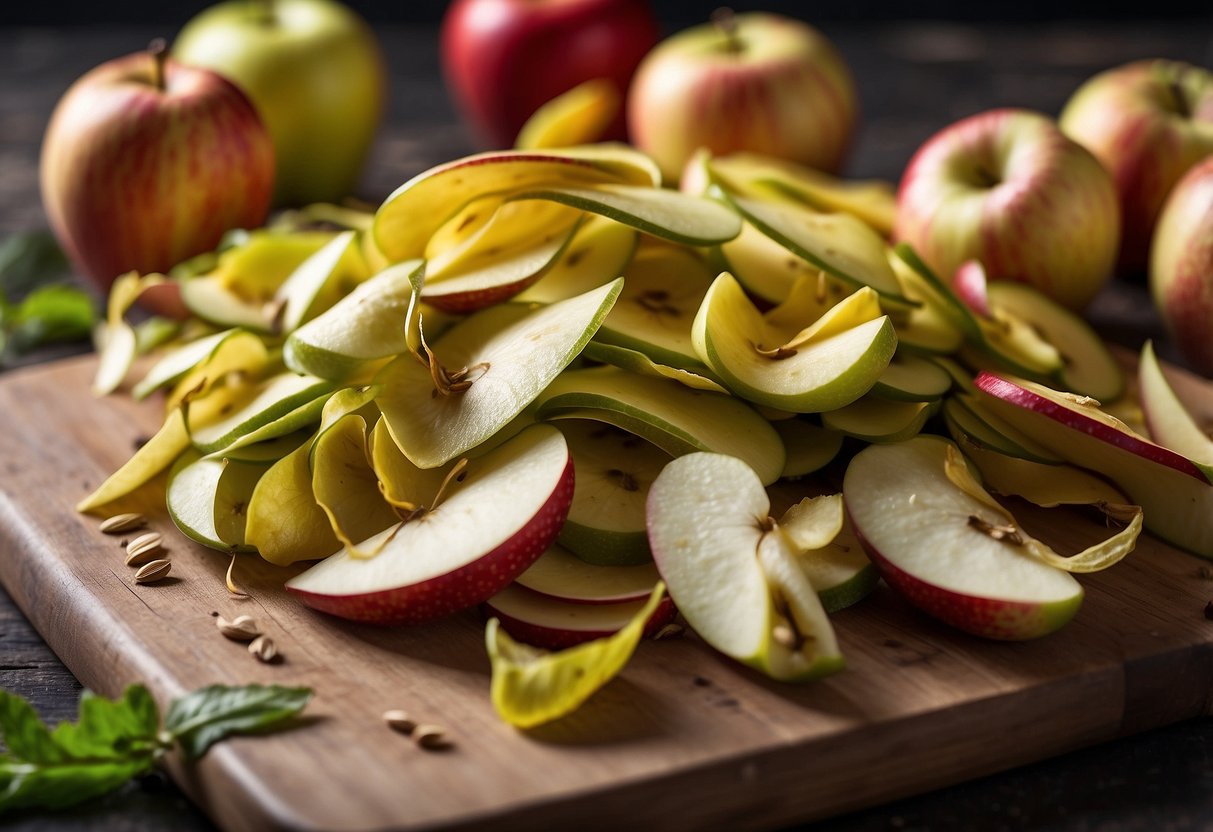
(243, 350)
(579, 116)
(637, 362)
(364, 325)
(552, 624)
(494, 522)
(673, 417)
(809, 447)
(872, 201)
(840, 572)
(154, 456)
(614, 470)
(973, 425)
(838, 244)
(820, 371)
(419, 207)
(925, 286)
(663, 287)
(1044, 485)
(256, 405)
(1173, 491)
(1170, 423)
(345, 485)
(597, 254)
(910, 378)
(766, 269)
(562, 576)
(208, 497)
(671, 215)
(299, 294)
(732, 573)
(874, 419)
(926, 537)
(486, 370)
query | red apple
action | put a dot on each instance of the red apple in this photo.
(147, 162)
(753, 82)
(503, 59)
(1148, 122)
(1181, 266)
(1007, 187)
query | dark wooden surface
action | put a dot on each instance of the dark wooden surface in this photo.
(914, 78)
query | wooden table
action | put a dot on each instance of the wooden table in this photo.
(913, 79)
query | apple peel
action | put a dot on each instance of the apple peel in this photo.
(116, 340)
(154, 456)
(532, 686)
(1092, 559)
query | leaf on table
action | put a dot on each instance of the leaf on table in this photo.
(200, 719)
(112, 741)
(50, 314)
(30, 260)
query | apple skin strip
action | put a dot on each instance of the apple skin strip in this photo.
(157, 454)
(116, 339)
(532, 686)
(1092, 559)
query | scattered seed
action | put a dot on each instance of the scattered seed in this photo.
(263, 649)
(400, 721)
(156, 570)
(784, 635)
(430, 737)
(669, 631)
(143, 549)
(120, 523)
(241, 628)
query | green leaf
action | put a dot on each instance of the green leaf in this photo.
(202, 718)
(30, 260)
(113, 741)
(50, 314)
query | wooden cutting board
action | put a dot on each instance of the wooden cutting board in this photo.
(683, 739)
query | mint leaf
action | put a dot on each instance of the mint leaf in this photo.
(113, 741)
(30, 260)
(49, 314)
(202, 718)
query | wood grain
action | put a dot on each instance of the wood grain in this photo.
(683, 738)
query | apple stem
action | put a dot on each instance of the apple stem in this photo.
(726, 22)
(1180, 100)
(158, 49)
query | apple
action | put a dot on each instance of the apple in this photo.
(493, 523)
(1173, 491)
(751, 82)
(1181, 265)
(925, 536)
(504, 59)
(147, 162)
(733, 573)
(1008, 188)
(1148, 122)
(316, 75)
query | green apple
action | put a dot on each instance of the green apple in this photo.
(734, 575)
(313, 70)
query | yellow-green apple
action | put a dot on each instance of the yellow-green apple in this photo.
(1148, 122)
(314, 70)
(504, 59)
(1008, 188)
(1181, 266)
(753, 82)
(926, 537)
(147, 162)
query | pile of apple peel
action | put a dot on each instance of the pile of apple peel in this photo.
(537, 383)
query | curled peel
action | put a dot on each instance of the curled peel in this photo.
(1092, 559)
(532, 686)
(116, 339)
